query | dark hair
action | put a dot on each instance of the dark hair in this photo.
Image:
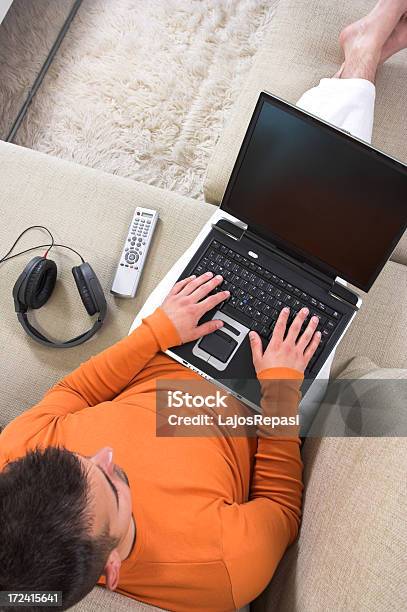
(45, 527)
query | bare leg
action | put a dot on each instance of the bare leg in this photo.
(397, 40)
(364, 41)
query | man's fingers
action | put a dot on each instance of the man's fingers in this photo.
(312, 347)
(256, 346)
(212, 301)
(207, 328)
(281, 324)
(206, 287)
(195, 283)
(181, 284)
(296, 325)
(308, 333)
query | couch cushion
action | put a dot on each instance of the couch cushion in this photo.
(364, 400)
(300, 48)
(90, 211)
(350, 554)
(379, 330)
(400, 252)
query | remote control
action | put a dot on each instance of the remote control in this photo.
(134, 252)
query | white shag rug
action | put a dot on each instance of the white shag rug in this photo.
(143, 88)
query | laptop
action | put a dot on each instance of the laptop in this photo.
(307, 210)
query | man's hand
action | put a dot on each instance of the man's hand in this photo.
(293, 351)
(189, 300)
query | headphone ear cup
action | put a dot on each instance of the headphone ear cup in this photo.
(82, 277)
(40, 283)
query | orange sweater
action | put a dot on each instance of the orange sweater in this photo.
(201, 545)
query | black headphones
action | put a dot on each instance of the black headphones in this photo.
(36, 283)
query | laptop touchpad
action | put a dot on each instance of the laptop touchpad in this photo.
(219, 345)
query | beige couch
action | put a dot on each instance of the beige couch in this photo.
(349, 555)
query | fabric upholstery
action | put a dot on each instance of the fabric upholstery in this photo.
(348, 556)
(301, 47)
(364, 401)
(379, 330)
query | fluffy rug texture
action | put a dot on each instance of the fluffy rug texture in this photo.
(141, 89)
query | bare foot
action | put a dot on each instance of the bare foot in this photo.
(396, 41)
(363, 41)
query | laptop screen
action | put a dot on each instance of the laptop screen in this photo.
(318, 194)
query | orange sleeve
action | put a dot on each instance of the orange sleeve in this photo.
(99, 379)
(257, 533)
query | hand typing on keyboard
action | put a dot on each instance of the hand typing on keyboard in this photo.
(189, 300)
(287, 349)
(258, 295)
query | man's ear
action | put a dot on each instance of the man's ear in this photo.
(112, 570)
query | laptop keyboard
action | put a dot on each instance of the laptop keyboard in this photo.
(257, 295)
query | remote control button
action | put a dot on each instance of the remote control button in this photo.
(132, 257)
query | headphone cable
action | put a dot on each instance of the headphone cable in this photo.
(7, 256)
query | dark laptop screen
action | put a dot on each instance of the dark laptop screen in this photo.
(318, 194)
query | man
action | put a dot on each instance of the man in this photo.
(173, 527)
(183, 523)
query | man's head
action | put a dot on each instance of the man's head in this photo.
(63, 520)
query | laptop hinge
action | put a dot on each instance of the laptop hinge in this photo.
(233, 230)
(343, 294)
